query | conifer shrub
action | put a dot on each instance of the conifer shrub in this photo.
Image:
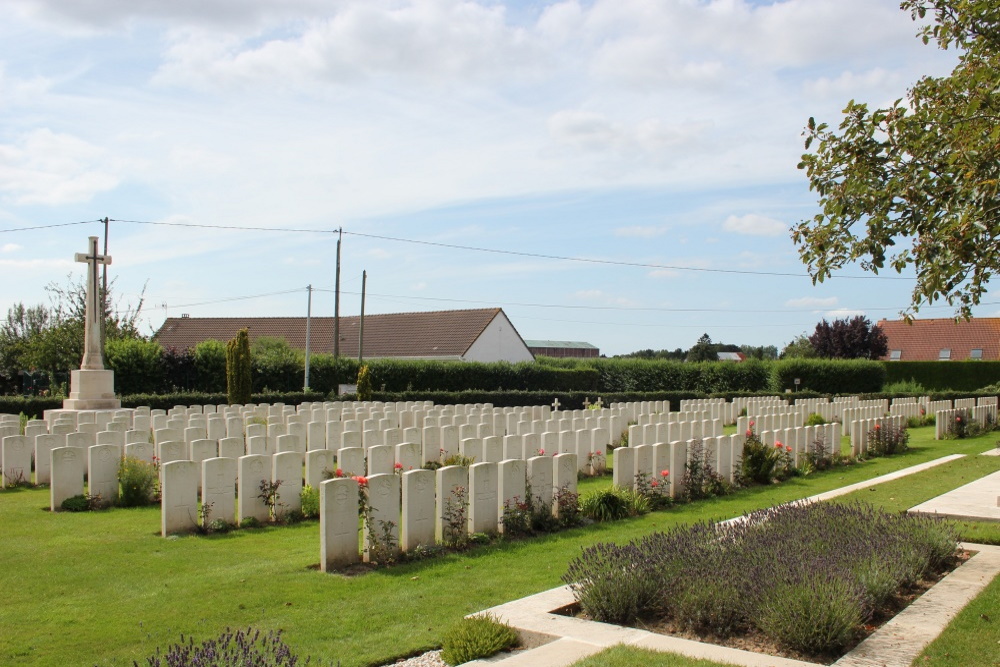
(364, 384)
(239, 377)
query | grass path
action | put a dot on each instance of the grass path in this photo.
(106, 589)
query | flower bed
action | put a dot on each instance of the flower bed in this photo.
(808, 579)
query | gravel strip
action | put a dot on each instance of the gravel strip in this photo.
(429, 659)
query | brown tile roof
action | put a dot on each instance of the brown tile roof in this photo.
(445, 333)
(923, 340)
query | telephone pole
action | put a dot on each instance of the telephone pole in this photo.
(309, 305)
(336, 301)
(361, 331)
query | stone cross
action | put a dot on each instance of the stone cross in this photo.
(600, 403)
(555, 405)
(93, 355)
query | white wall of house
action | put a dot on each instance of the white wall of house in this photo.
(499, 342)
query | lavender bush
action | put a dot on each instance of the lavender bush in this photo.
(242, 648)
(806, 575)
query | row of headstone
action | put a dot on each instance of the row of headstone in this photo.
(670, 431)
(861, 429)
(416, 508)
(944, 420)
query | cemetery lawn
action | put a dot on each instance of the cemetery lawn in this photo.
(104, 588)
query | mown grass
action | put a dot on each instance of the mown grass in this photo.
(104, 588)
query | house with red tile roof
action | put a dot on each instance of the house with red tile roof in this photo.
(943, 339)
(467, 335)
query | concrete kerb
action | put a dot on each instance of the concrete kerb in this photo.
(895, 644)
(557, 640)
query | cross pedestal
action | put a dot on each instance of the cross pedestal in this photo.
(92, 387)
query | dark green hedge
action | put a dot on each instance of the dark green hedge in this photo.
(644, 375)
(34, 407)
(941, 375)
(828, 376)
(509, 399)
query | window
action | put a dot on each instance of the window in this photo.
(944, 354)
(895, 355)
(976, 353)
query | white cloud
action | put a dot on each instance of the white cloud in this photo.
(812, 302)
(754, 225)
(431, 40)
(849, 83)
(19, 91)
(842, 313)
(10, 247)
(648, 139)
(43, 167)
(598, 297)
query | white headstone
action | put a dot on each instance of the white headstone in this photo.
(338, 523)
(178, 497)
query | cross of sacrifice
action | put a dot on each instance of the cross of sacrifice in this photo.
(555, 405)
(586, 402)
(600, 403)
(93, 356)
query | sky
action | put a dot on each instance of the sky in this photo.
(619, 172)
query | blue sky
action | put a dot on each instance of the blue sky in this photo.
(656, 138)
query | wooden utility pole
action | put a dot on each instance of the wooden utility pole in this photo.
(336, 301)
(361, 332)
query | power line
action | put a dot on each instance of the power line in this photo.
(611, 262)
(237, 298)
(498, 251)
(53, 226)
(623, 308)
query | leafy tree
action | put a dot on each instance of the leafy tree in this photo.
(677, 354)
(921, 177)
(855, 338)
(50, 338)
(137, 364)
(799, 348)
(210, 365)
(703, 350)
(276, 366)
(762, 352)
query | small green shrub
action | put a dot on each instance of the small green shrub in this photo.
(605, 505)
(759, 463)
(220, 526)
(309, 498)
(815, 419)
(910, 386)
(477, 637)
(78, 503)
(139, 482)
(459, 460)
(250, 522)
(638, 504)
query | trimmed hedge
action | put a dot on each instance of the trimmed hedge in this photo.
(828, 376)
(944, 375)
(35, 406)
